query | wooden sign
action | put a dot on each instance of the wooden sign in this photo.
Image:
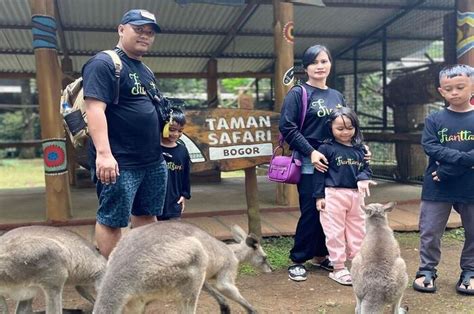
(230, 139)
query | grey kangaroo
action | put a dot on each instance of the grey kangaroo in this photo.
(379, 274)
(45, 258)
(175, 258)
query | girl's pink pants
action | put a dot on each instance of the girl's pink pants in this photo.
(343, 224)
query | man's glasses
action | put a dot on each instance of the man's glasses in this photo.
(140, 30)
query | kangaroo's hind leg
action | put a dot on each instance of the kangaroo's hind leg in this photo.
(3, 305)
(87, 292)
(223, 305)
(358, 305)
(189, 289)
(396, 307)
(24, 307)
(226, 285)
(54, 299)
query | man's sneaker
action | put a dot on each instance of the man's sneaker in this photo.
(325, 264)
(297, 272)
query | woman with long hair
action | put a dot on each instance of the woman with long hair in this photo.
(309, 239)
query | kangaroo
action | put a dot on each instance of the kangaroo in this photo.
(175, 257)
(379, 274)
(46, 258)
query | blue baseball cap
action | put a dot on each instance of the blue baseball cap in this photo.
(140, 17)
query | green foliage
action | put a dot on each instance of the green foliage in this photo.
(170, 86)
(436, 49)
(11, 126)
(232, 85)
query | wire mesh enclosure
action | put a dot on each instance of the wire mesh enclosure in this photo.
(390, 77)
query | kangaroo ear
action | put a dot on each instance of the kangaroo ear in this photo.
(252, 241)
(238, 233)
(389, 206)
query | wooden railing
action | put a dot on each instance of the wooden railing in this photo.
(18, 144)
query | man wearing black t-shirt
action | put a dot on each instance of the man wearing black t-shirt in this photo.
(126, 158)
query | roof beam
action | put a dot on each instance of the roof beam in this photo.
(382, 26)
(376, 6)
(16, 75)
(244, 16)
(220, 33)
(150, 54)
(161, 75)
(381, 5)
(181, 55)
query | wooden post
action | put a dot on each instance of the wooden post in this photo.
(58, 198)
(212, 99)
(283, 42)
(213, 175)
(251, 187)
(253, 207)
(465, 30)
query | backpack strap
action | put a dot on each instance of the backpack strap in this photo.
(118, 68)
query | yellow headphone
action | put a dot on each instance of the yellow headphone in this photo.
(166, 128)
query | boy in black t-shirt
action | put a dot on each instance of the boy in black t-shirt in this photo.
(177, 159)
(448, 140)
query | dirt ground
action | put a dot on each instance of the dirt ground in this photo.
(275, 293)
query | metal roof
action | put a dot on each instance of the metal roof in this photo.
(193, 33)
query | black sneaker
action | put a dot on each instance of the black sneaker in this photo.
(297, 272)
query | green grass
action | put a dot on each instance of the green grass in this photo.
(21, 173)
(454, 235)
(278, 248)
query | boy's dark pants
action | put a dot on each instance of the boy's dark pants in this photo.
(433, 219)
(309, 237)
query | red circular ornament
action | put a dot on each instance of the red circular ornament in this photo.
(288, 32)
(54, 156)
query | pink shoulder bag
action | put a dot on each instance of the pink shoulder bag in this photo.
(287, 169)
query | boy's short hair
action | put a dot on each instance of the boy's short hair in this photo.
(456, 70)
(177, 115)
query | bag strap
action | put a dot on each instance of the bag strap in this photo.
(304, 108)
(118, 68)
(154, 98)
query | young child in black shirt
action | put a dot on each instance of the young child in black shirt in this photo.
(340, 192)
(177, 159)
(448, 140)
